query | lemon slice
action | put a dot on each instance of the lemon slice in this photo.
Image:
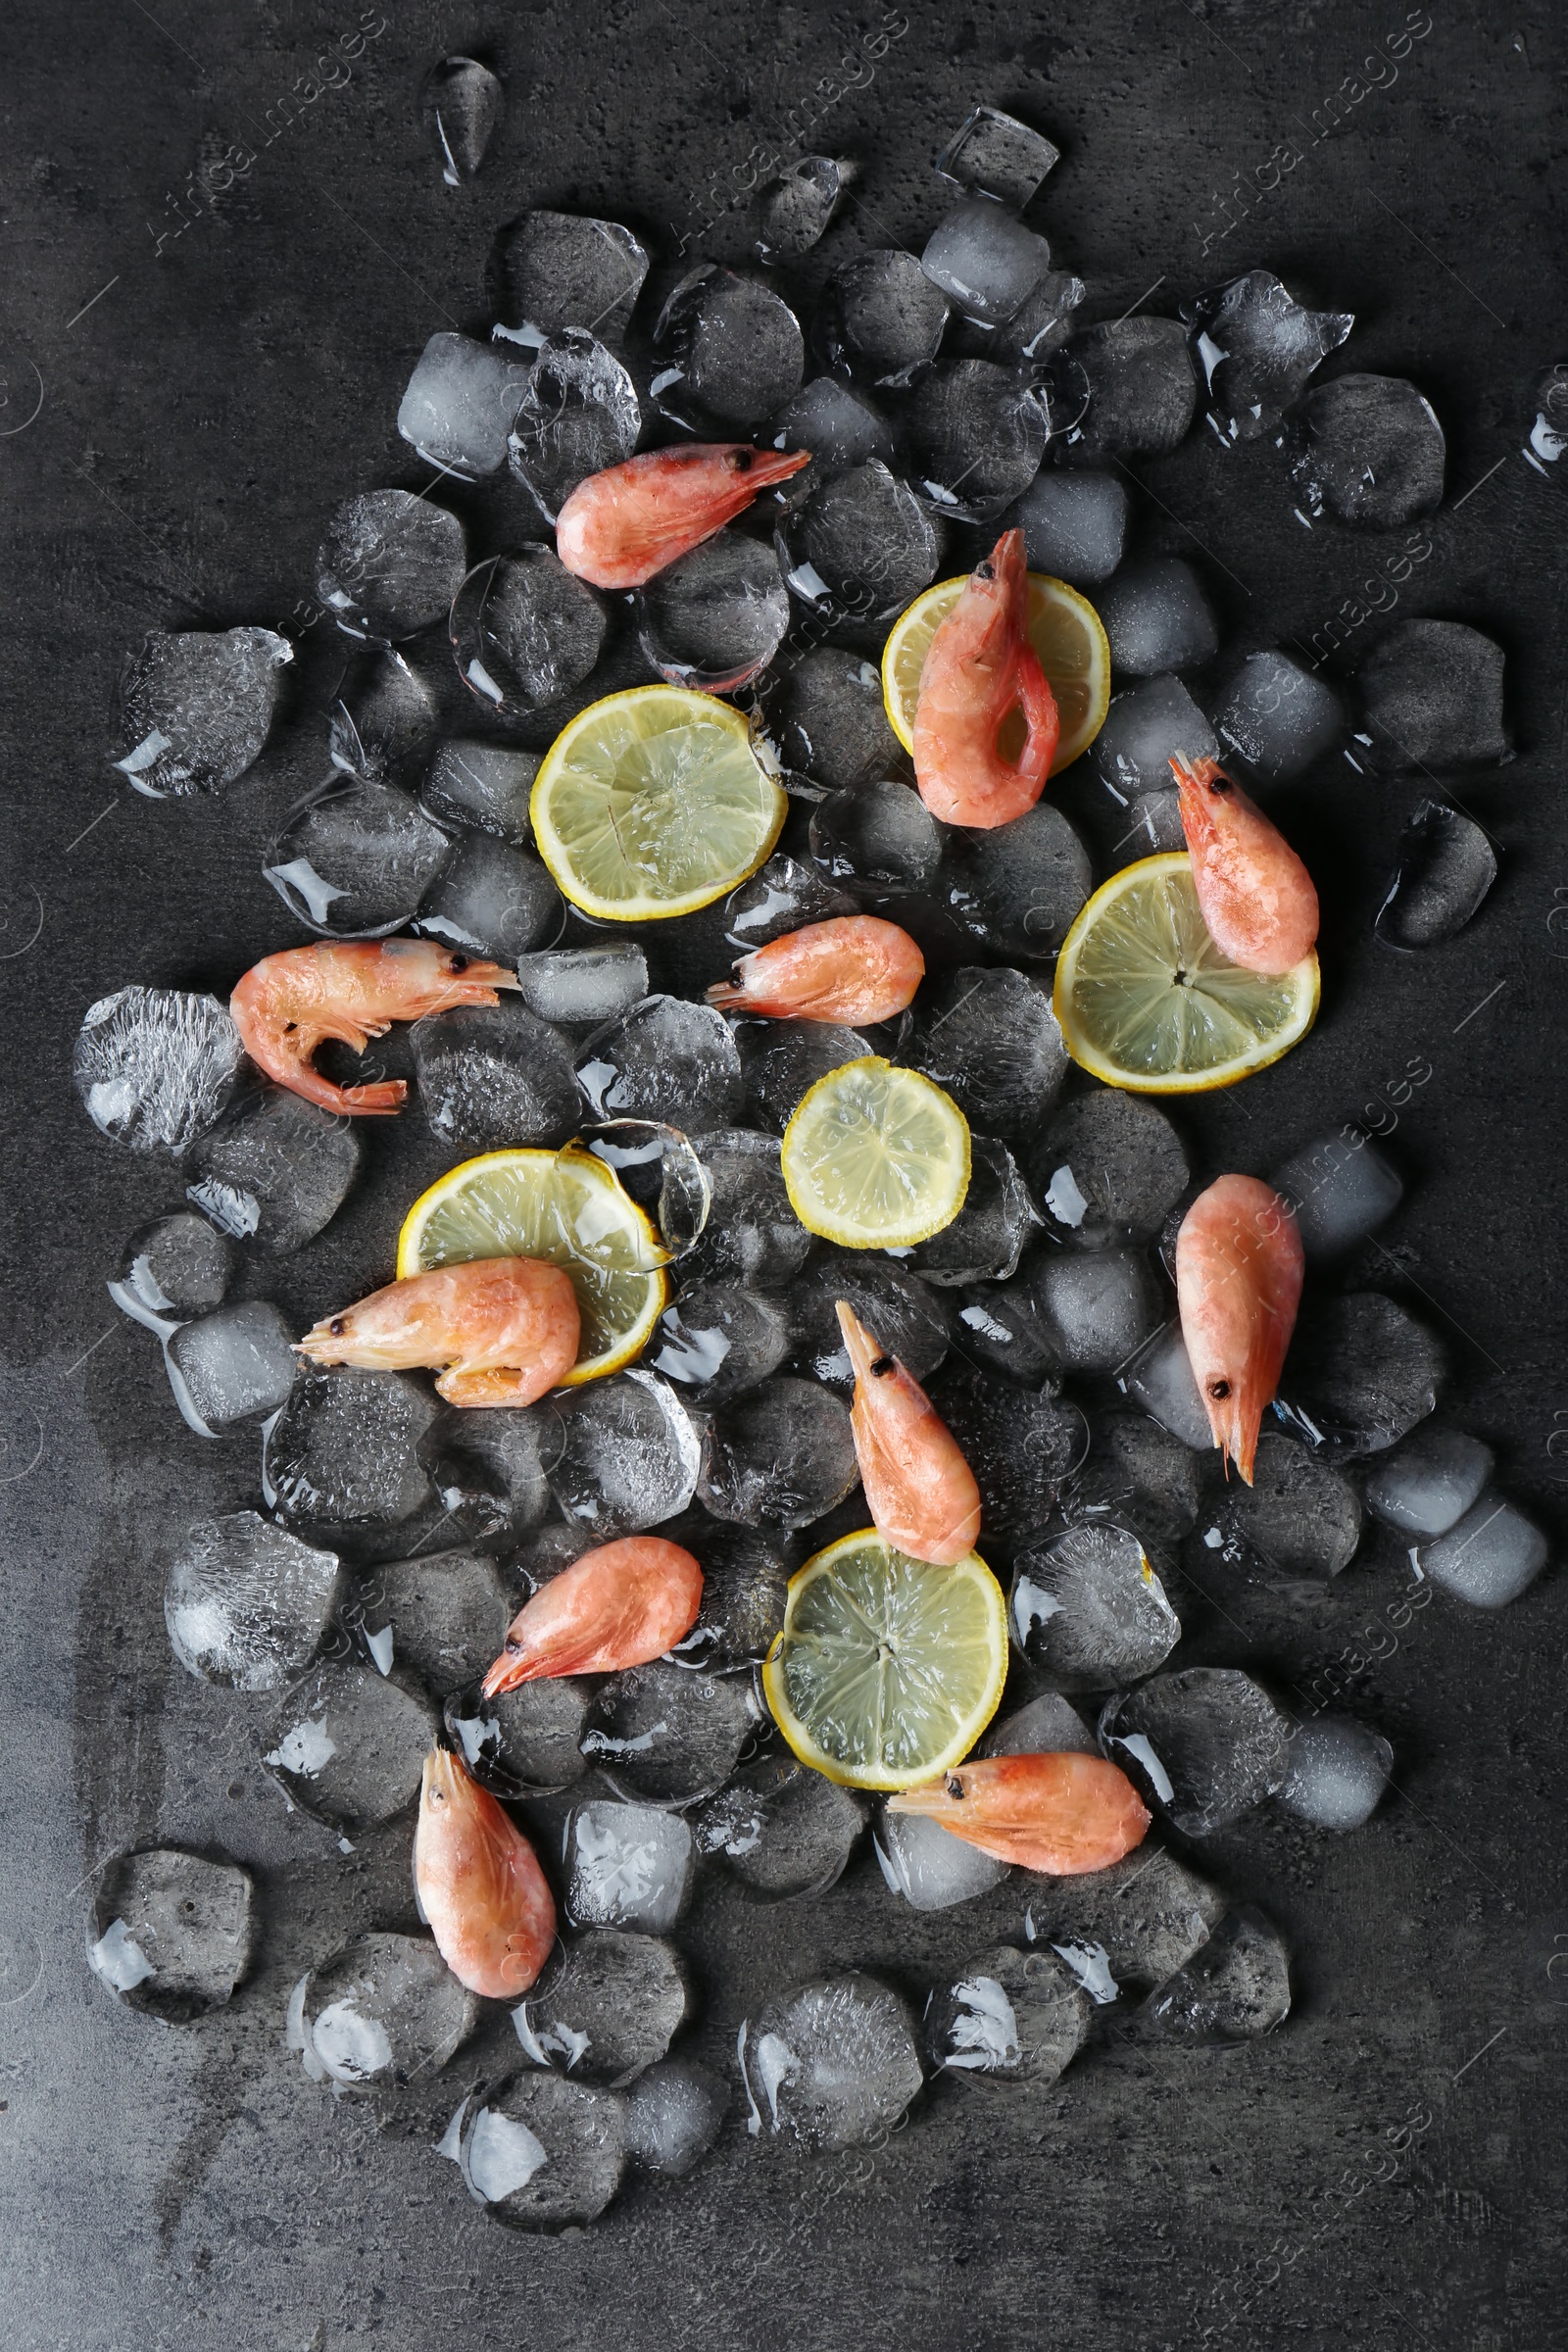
(1063, 629)
(876, 1157)
(653, 802)
(1145, 999)
(568, 1208)
(888, 1669)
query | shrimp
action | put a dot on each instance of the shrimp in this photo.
(981, 668)
(1239, 1267)
(479, 1885)
(1255, 896)
(287, 1004)
(506, 1328)
(855, 968)
(618, 528)
(919, 1490)
(1063, 1814)
(622, 1606)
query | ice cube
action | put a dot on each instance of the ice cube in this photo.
(493, 901)
(461, 105)
(666, 1735)
(1038, 330)
(1427, 1485)
(976, 435)
(629, 1454)
(386, 721)
(494, 1076)
(859, 548)
(782, 896)
(673, 2115)
(344, 1452)
(840, 427)
(826, 715)
(523, 1742)
(931, 1868)
(717, 1341)
(663, 1060)
(1204, 1745)
(525, 631)
(1157, 617)
(1097, 1307)
(998, 155)
(714, 617)
(442, 1617)
(1431, 697)
(990, 1038)
(1138, 1475)
(909, 1321)
(347, 1744)
(1154, 826)
(780, 1830)
(1087, 1610)
(460, 404)
(354, 858)
(606, 2007)
(795, 210)
(276, 1170)
(177, 1266)
(985, 260)
(172, 1932)
(877, 835)
(879, 318)
(1141, 1919)
(583, 986)
(486, 785)
(232, 1365)
(1144, 727)
(752, 1235)
(626, 1866)
(156, 1067)
(1048, 1725)
(1488, 1556)
(781, 1456)
(745, 1591)
(1237, 1985)
(382, 2015)
(578, 414)
(389, 564)
(542, 2154)
(1257, 346)
(1447, 866)
(1342, 1188)
(1159, 1377)
(551, 270)
(985, 1239)
(1109, 1169)
(246, 1603)
(1020, 1446)
(1143, 390)
(999, 1328)
(1007, 2016)
(1074, 525)
(194, 708)
(782, 1059)
(729, 350)
(1339, 1770)
(1300, 1517)
(1015, 890)
(833, 2062)
(1278, 720)
(1366, 450)
(1360, 1374)
(1549, 404)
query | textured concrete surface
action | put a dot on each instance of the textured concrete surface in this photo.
(182, 406)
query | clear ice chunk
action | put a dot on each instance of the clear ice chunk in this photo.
(1139, 1476)
(753, 1235)
(1143, 390)
(716, 617)
(859, 548)
(579, 986)
(782, 896)
(907, 1320)
(975, 434)
(1342, 1188)
(1360, 1374)
(1204, 1745)
(998, 1327)
(525, 631)
(825, 716)
(544, 2154)
(347, 1744)
(382, 2015)
(834, 2063)
(1431, 697)
(1141, 1919)
(990, 1038)
(840, 427)
(1155, 825)
(1007, 2016)
(1020, 1446)
(1426, 1486)
(985, 260)
(795, 210)
(666, 1735)
(781, 1059)
(354, 858)
(344, 1450)
(1030, 340)
(578, 414)
(1277, 720)
(461, 105)
(606, 2007)
(276, 1170)
(1144, 727)
(1236, 1986)
(1548, 438)
(1097, 1307)
(389, 564)
(781, 1456)
(745, 1592)
(628, 1458)
(551, 270)
(234, 1364)
(1015, 890)
(522, 1742)
(1339, 1770)
(673, 2116)
(998, 155)
(931, 1868)
(485, 785)
(460, 404)
(1047, 1726)
(1258, 347)
(663, 1060)
(193, 709)
(877, 835)
(780, 1830)
(1087, 1611)
(717, 1341)
(1447, 866)
(1366, 450)
(246, 1603)
(1488, 1556)
(172, 1932)
(495, 1076)
(985, 1239)
(442, 1616)
(1160, 1379)
(626, 1866)
(1074, 525)
(729, 352)
(386, 722)
(880, 318)
(492, 900)
(156, 1067)
(1157, 616)
(174, 1267)
(1109, 1169)
(1300, 1517)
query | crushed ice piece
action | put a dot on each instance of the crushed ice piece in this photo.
(171, 1933)
(667, 1734)
(389, 564)
(1159, 617)
(717, 1341)
(545, 2154)
(194, 708)
(795, 210)
(984, 261)
(673, 2115)
(525, 631)
(1258, 347)
(353, 858)
(1488, 1556)
(347, 1744)
(976, 436)
(1300, 1517)
(626, 1866)
(235, 1364)
(1359, 1375)
(1090, 1963)
(1236, 1987)
(460, 404)
(1007, 2016)
(1145, 726)
(522, 1742)
(462, 104)
(344, 1452)
(1447, 866)
(1021, 1445)
(1087, 1610)
(1015, 890)
(578, 986)
(551, 270)
(1277, 720)
(174, 1267)
(780, 1830)
(716, 616)
(985, 1239)
(486, 785)
(275, 1170)
(731, 350)
(833, 2062)
(578, 414)
(1339, 1770)
(1159, 1377)
(1367, 450)
(1116, 1165)
(629, 1455)
(606, 2008)
(990, 1040)
(1427, 1485)
(663, 1060)
(384, 2013)
(998, 155)
(156, 1067)
(1143, 390)
(860, 548)
(1342, 1188)
(495, 1076)
(781, 1059)
(492, 900)
(1074, 525)
(1432, 696)
(443, 1615)
(1206, 1744)
(119, 1959)
(1047, 1726)
(880, 318)
(780, 1456)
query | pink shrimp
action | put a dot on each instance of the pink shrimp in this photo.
(919, 1490)
(621, 1606)
(506, 1328)
(1238, 1284)
(981, 668)
(855, 968)
(479, 1885)
(618, 528)
(1255, 896)
(1063, 1814)
(285, 1005)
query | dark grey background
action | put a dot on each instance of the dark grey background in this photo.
(198, 419)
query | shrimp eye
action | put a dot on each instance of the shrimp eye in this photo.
(883, 1365)
(1219, 786)
(953, 1784)
(985, 572)
(1219, 1389)
(740, 461)
(336, 1327)
(457, 964)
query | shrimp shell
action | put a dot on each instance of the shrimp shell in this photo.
(479, 1885)
(620, 526)
(1063, 1813)
(1256, 898)
(979, 667)
(621, 1606)
(1238, 1268)
(853, 968)
(919, 1490)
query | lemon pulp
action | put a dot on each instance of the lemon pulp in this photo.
(876, 1157)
